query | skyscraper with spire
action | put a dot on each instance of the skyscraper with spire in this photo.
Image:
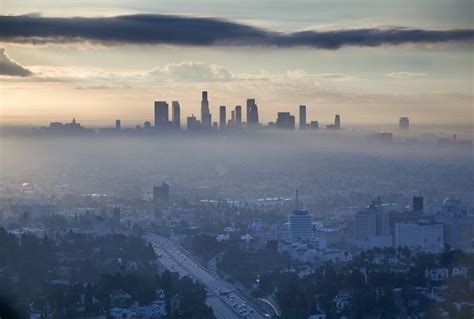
(206, 118)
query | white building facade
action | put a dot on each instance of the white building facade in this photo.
(419, 236)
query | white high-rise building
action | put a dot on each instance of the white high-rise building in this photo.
(301, 225)
(419, 236)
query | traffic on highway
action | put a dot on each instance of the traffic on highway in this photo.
(223, 297)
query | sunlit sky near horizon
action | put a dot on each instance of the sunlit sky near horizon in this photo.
(98, 83)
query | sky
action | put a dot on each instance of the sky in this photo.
(371, 61)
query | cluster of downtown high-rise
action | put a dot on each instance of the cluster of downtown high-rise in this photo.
(164, 122)
(284, 119)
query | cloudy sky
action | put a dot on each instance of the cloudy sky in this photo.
(368, 60)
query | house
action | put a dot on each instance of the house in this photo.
(120, 298)
(436, 274)
(459, 272)
(431, 294)
(342, 300)
(153, 311)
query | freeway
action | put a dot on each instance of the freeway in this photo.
(225, 300)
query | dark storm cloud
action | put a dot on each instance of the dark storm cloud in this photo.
(179, 30)
(10, 67)
(372, 37)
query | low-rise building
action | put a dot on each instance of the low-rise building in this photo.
(342, 300)
(436, 274)
(461, 271)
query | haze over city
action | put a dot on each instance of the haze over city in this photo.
(220, 159)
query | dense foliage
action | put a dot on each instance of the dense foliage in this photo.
(74, 275)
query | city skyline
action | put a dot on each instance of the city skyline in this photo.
(371, 63)
(219, 159)
(168, 117)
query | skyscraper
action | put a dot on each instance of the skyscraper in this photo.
(337, 122)
(222, 117)
(238, 116)
(336, 125)
(252, 114)
(206, 120)
(161, 114)
(118, 125)
(176, 114)
(404, 123)
(302, 117)
(285, 121)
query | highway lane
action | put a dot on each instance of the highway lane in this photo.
(167, 259)
(223, 298)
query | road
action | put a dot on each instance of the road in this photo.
(226, 302)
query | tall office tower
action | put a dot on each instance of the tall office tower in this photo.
(301, 225)
(285, 121)
(222, 119)
(238, 116)
(118, 125)
(206, 120)
(302, 117)
(252, 114)
(418, 204)
(337, 122)
(232, 118)
(365, 225)
(176, 114)
(404, 123)
(373, 224)
(370, 223)
(161, 114)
